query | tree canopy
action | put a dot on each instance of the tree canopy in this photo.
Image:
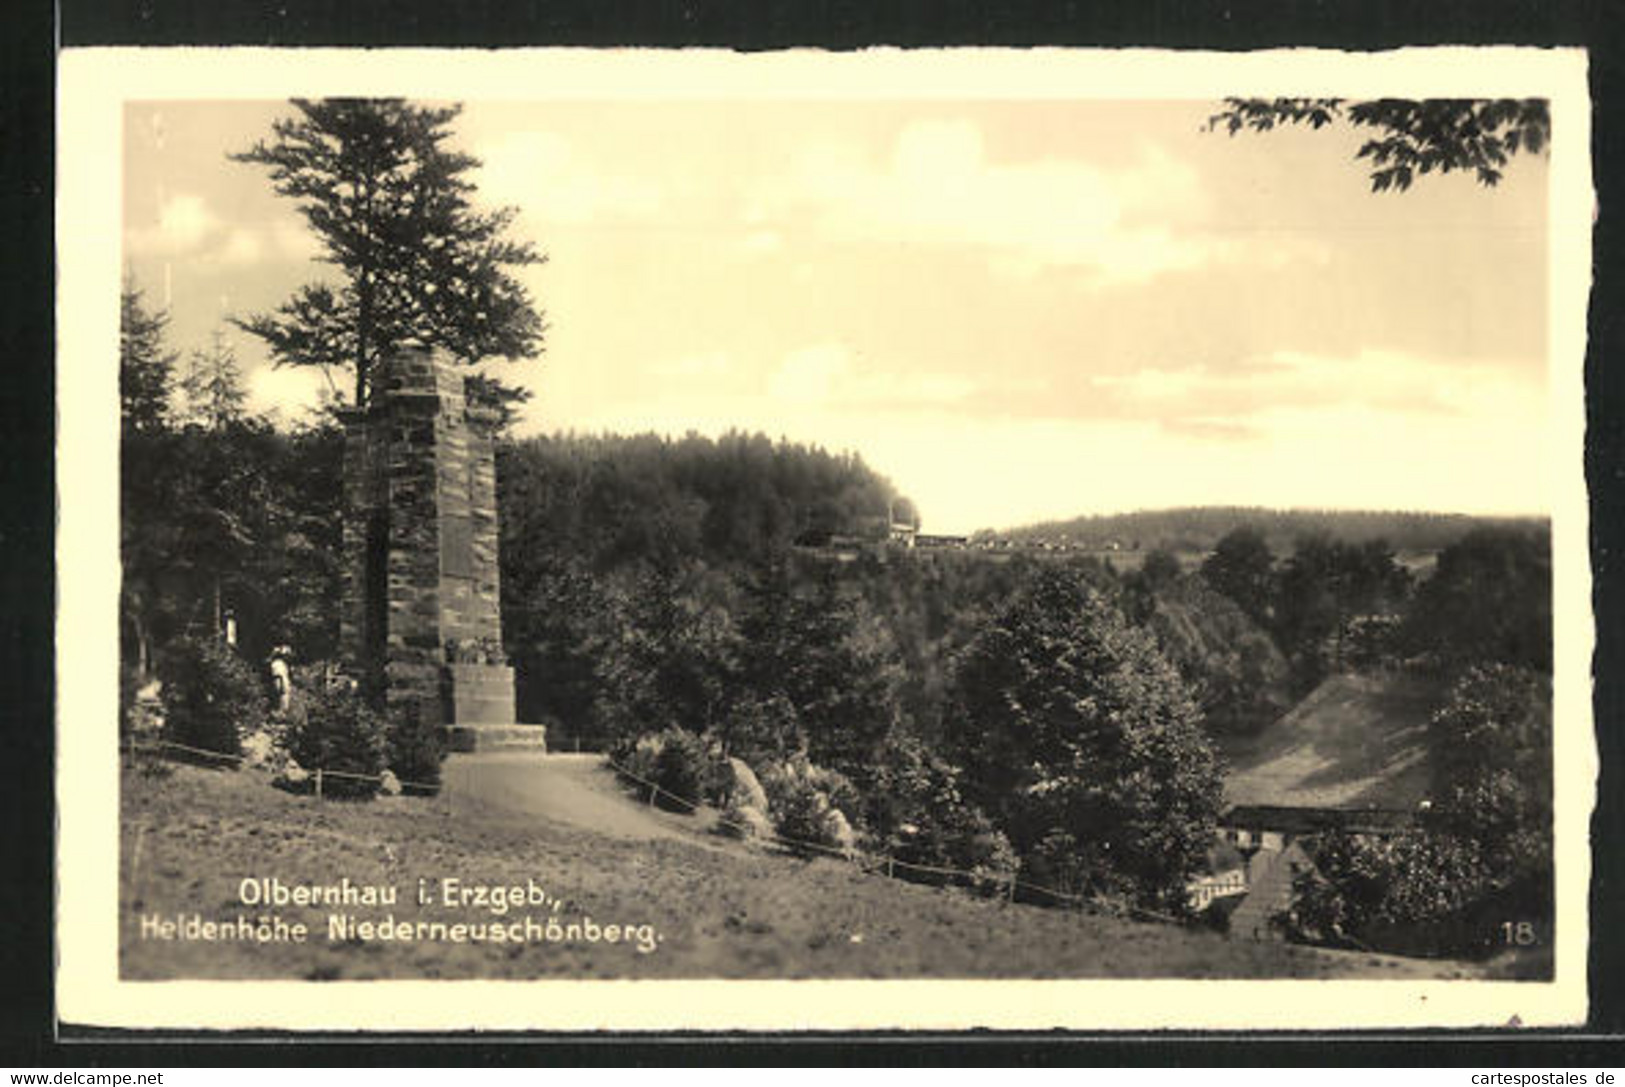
(1489, 601)
(1412, 137)
(1243, 568)
(1084, 745)
(213, 384)
(390, 205)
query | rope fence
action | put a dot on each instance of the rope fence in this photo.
(316, 775)
(868, 863)
(877, 863)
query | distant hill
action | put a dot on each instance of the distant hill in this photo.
(1198, 528)
(1355, 742)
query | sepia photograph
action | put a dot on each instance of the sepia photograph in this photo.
(948, 539)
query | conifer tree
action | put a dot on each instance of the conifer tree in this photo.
(390, 205)
(213, 385)
(146, 365)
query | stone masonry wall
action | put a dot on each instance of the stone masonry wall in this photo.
(408, 416)
(420, 545)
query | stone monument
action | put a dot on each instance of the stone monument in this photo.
(421, 624)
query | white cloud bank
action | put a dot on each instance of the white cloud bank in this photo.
(554, 183)
(188, 227)
(1124, 224)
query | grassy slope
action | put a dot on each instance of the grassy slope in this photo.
(722, 912)
(1356, 741)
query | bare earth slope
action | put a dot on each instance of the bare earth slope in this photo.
(574, 789)
(1355, 742)
(715, 909)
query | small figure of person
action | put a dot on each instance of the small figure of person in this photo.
(281, 680)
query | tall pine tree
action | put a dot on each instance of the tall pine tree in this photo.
(213, 385)
(390, 204)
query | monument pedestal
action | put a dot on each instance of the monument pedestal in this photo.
(478, 700)
(477, 694)
(471, 739)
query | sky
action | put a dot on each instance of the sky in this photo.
(1016, 310)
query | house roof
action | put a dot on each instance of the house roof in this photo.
(1306, 820)
(1357, 743)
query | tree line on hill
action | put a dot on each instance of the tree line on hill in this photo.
(1198, 529)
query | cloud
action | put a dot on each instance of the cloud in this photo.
(287, 391)
(828, 376)
(939, 187)
(554, 183)
(187, 221)
(187, 226)
(1231, 402)
(809, 375)
(1388, 379)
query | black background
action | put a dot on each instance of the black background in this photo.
(33, 32)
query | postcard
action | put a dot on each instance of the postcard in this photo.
(571, 540)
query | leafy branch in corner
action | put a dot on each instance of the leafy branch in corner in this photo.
(1414, 137)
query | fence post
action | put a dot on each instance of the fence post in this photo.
(1013, 874)
(318, 783)
(888, 867)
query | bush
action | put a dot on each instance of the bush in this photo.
(915, 813)
(680, 769)
(415, 749)
(634, 758)
(333, 729)
(679, 762)
(210, 696)
(805, 801)
(1409, 894)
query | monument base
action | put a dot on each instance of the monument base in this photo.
(471, 739)
(478, 694)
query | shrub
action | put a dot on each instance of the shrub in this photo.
(1371, 642)
(210, 696)
(634, 758)
(335, 730)
(804, 800)
(1418, 887)
(680, 769)
(415, 749)
(679, 762)
(917, 815)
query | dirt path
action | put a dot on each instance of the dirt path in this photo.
(575, 789)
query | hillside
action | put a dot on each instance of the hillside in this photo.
(1354, 742)
(1235, 671)
(722, 910)
(1198, 528)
